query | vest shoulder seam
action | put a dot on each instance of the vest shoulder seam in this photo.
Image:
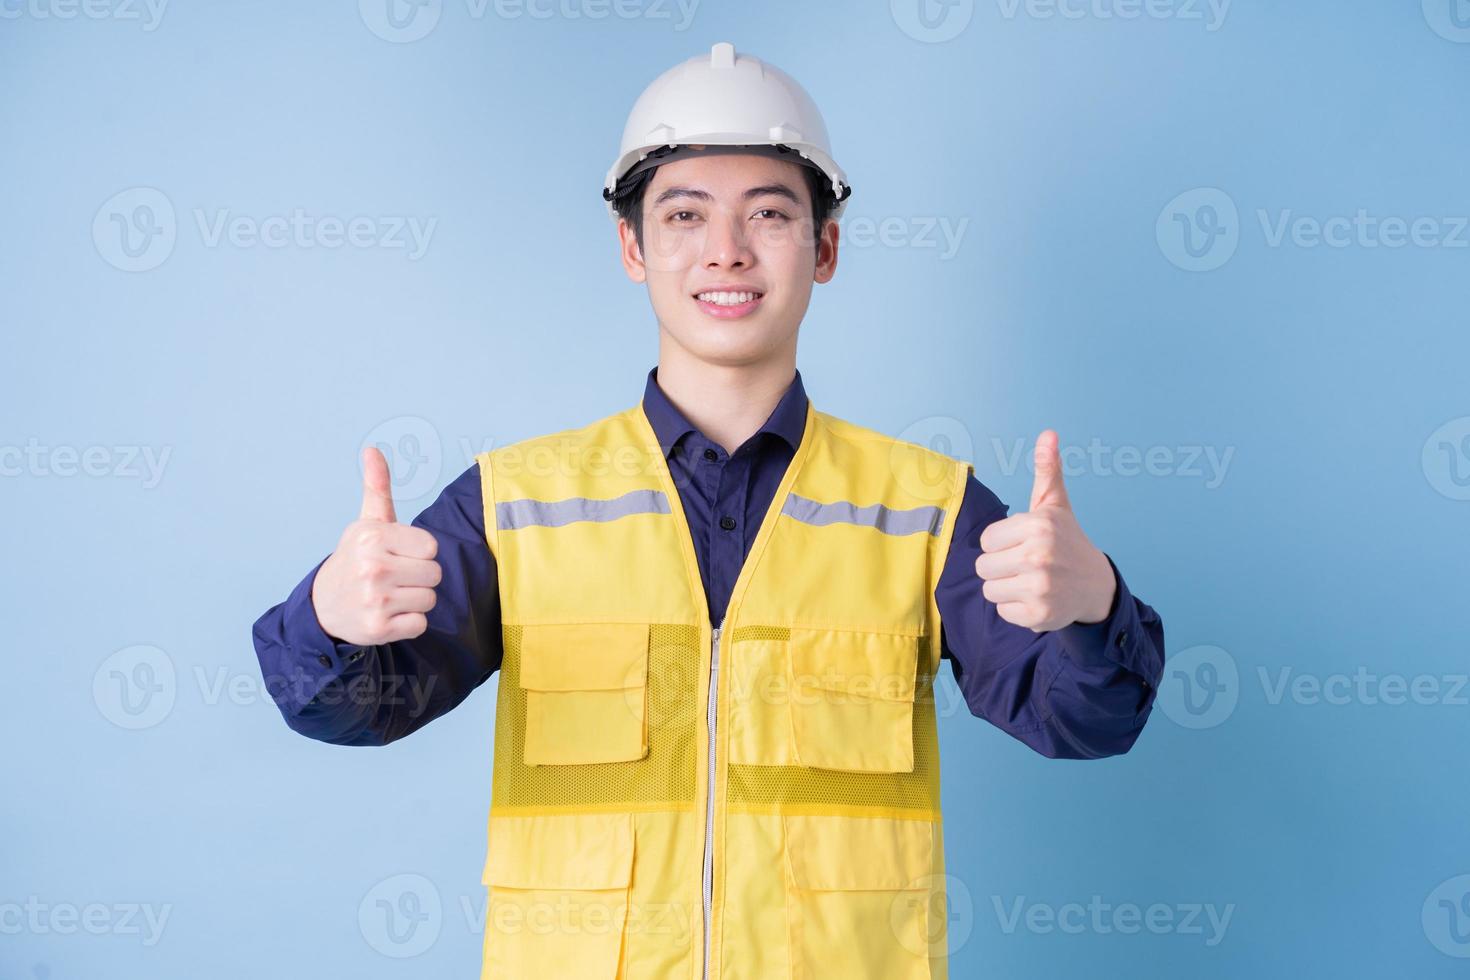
(575, 431)
(844, 429)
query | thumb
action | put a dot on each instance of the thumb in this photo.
(1048, 490)
(377, 488)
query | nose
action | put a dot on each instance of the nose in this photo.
(726, 243)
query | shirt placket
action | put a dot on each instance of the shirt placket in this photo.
(729, 484)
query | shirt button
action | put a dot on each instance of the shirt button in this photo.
(356, 656)
(711, 455)
(727, 522)
(324, 660)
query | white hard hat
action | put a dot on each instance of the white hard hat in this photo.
(725, 100)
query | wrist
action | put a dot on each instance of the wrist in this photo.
(1105, 594)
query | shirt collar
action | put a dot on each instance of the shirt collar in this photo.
(787, 419)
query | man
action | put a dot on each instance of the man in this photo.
(718, 614)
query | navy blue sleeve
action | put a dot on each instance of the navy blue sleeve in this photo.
(1080, 692)
(371, 695)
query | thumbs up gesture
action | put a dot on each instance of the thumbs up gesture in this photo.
(379, 584)
(1038, 567)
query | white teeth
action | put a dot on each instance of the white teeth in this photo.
(727, 299)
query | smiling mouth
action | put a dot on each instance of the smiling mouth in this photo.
(728, 298)
(728, 304)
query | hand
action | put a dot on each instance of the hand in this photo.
(379, 583)
(1039, 568)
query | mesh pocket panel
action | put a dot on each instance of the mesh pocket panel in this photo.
(801, 789)
(761, 633)
(664, 777)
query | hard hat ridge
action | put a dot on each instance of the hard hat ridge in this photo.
(722, 103)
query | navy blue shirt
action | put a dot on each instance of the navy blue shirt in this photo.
(1082, 691)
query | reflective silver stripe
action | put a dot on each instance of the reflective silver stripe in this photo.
(885, 519)
(512, 515)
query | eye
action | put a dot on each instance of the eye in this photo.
(674, 216)
(770, 211)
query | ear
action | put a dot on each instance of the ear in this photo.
(827, 252)
(630, 253)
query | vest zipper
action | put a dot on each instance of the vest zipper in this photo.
(709, 809)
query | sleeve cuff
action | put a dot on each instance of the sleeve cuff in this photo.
(1116, 639)
(316, 658)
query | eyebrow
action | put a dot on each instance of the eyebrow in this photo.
(779, 190)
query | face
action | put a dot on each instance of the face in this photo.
(733, 223)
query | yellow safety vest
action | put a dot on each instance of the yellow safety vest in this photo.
(807, 716)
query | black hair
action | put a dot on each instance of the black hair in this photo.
(627, 198)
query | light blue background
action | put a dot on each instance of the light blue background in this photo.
(1334, 544)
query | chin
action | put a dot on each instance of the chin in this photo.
(727, 343)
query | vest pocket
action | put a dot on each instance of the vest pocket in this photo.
(858, 897)
(558, 895)
(586, 690)
(852, 699)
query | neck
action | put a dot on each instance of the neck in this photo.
(727, 402)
